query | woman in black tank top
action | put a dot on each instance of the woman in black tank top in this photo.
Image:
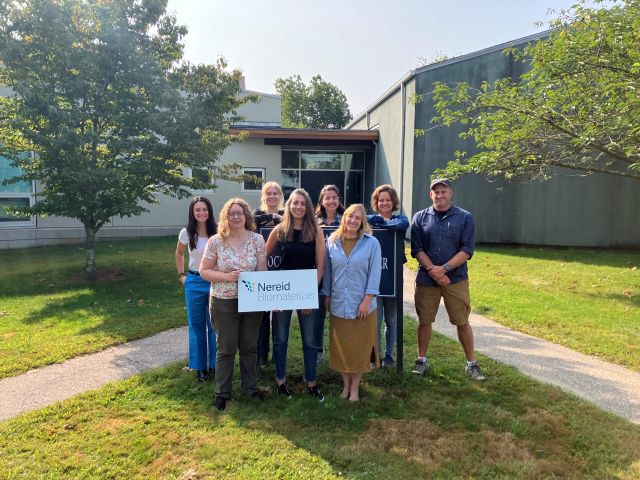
(300, 243)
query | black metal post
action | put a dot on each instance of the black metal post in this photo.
(399, 299)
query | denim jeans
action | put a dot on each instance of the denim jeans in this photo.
(387, 309)
(202, 336)
(264, 339)
(236, 332)
(319, 319)
(280, 325)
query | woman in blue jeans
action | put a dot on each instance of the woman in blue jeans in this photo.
(300, 243)
(384, 201)
(202, 337)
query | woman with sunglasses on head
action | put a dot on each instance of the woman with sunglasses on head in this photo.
(301, 245)
(201, 226)
(384, 201)
(234, 249)
(350, 285)
(328, 213)
(268, 215)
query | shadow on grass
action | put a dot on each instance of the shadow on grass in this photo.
(632, 298)
(161, 424)
(135, 296)
(406, 426)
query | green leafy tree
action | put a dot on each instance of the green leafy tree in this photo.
(113, 115)
(317, 105)
(577, 108)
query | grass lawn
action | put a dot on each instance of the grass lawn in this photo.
(586, 300)
(161, 425)
(48, 313)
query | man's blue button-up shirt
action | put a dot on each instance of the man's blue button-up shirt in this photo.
(441, 239)
(348, 279)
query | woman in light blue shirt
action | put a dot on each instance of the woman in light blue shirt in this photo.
(350, 284)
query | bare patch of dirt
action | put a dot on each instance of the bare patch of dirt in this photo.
(437, 447)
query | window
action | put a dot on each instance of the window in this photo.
(13, 195)
(255, 184)
(201, 174)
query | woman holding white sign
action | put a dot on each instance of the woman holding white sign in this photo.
(301, 245)
(351, 284)
(234, 249)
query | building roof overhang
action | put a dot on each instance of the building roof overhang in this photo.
(307, 136)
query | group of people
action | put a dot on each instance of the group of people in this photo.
(348, 264)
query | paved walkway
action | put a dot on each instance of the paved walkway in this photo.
(611, 387)
(44, 386)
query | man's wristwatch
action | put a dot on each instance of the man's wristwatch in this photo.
(447, 267)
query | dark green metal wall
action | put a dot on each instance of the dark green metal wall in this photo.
(595, 211)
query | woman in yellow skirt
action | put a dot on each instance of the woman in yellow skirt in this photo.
(350, 284)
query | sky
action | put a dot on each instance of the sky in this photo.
(362, 47)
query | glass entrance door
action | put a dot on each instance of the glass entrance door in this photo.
(313, 181)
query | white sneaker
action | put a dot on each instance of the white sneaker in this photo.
(474, 372)
(420, 367)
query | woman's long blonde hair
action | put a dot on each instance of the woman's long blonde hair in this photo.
(284, 230)
(364, 227)
(263, 197)
(223, 225)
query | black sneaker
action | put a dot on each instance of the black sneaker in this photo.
(315, 393)
(284, 391)
(220, 403)
(202, 375)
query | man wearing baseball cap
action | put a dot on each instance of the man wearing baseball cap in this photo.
(442, 240)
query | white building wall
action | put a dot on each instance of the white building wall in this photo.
(170, 214)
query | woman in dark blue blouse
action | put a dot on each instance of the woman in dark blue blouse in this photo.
(384, 201)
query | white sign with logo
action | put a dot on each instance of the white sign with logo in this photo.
(277, 290)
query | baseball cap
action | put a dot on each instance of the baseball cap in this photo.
(440, 181)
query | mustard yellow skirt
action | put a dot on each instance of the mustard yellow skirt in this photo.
(354, 344)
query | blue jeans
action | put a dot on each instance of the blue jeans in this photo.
(280, 325)
(202, 336)
(319, 315)
(387, 310)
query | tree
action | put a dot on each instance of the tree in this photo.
(113, 115)
(577, 108)
(317, 105)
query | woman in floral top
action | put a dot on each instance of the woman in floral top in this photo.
(234, 249)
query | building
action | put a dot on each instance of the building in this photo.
(379, 146)
(292, 157)
(592, 211)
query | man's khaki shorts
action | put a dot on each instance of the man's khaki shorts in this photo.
(456, 300)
